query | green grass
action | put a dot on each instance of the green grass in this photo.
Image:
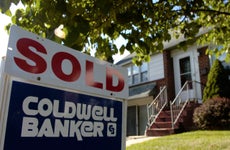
(197, 140)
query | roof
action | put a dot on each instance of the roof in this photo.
(167, 46)
(126, 59)
(142, 91)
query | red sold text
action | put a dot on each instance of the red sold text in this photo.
(33, 51)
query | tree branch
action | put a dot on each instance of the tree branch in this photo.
(210, 10)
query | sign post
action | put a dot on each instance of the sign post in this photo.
(56, 97)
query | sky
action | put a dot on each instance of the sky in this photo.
(4, 20)
(3, 34)
(4, 37)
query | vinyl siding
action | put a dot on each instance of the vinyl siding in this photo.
(156, 67)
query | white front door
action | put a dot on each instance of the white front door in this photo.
(186, 68)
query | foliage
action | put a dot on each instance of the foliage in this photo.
(145, 24)
(197, 140)
(213, 114)
(217, 84)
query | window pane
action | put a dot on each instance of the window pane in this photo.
(185, 71)
(184, 78)
(129, 71)
(185, 65)
(136, 78)
(135, 69)
(144, 67)
(144, 76)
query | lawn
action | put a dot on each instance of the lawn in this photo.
(197, 140)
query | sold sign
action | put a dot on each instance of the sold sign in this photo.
(36, 59)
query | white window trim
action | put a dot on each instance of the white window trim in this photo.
(139, 74)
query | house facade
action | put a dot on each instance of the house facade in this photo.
(171, 68)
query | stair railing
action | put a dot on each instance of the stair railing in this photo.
(156, 106)
(177, 105)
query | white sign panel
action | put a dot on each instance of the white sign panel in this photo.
(36, 59)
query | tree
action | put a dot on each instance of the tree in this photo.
(145, 24)
(217, 81)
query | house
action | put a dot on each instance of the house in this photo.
(168, 70)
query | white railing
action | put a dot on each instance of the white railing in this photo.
(176, 106)
(183, 97)
(157, 105)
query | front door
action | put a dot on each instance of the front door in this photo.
(186, 68)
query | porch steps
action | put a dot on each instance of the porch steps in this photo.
(163, 125)
(159, 131)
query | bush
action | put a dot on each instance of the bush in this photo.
(213, 114)
(217, 81)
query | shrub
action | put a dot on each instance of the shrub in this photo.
(213, 114)
(217, 81)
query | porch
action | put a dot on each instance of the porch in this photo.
(176, 116)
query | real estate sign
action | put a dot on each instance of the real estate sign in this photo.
(33, 58)
(46, 118)
(58, 98)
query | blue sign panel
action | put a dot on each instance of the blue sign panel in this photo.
(42, 118)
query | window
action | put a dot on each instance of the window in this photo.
(137, 74)
(144, 72)
(185, 70)
(135, 69)
(129, 75)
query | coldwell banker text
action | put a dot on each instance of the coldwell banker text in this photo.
(76, 120)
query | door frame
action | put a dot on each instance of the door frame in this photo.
(192, 53)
